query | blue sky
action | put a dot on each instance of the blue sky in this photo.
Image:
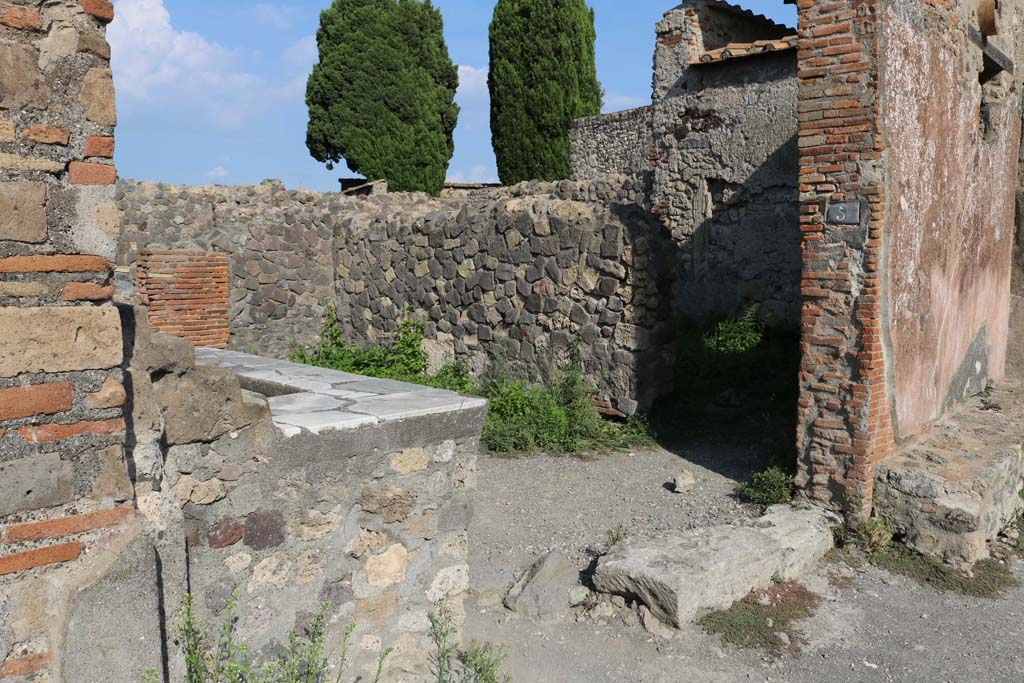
(212, 91)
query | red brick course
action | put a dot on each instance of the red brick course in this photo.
(54, 264)
(844, 423)
(38, 399)
(41, 557)
(86, 291)
(66, 526)
(101, 146)
(49, 135)
(187, 293)
(23, 666)
(26, 18)
(56, 432)
(85, 173)
(101, 9)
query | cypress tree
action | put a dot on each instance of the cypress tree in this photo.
(543, 75)
(382, 96)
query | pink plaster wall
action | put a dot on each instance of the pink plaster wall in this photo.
(950, 215)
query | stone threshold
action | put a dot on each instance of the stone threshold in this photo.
(950, 491)
(307, 399)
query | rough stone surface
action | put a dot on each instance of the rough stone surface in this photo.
(611, 143)
(215, 405)
(39, 481)
(682, 574)
(114, 629)
(23, 211)
(21, 84)
(952, 491)
(543, 590)
(97, 97)
(513, 273)
(59, 340)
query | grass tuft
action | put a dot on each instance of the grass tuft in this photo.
(991, 577)
(773, 486)
(757, 620)
(559, 418)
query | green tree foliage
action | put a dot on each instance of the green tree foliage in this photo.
(383, 95)
(542, 76)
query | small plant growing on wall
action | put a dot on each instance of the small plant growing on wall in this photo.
(221, 658)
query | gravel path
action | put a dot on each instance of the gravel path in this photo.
(871, 626)
(529, 506)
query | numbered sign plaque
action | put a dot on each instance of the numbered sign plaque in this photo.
(843, 213)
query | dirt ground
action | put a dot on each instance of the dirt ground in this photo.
(871, 626)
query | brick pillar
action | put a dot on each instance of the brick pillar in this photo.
(187, 294)
(844, 423)
(64, 487)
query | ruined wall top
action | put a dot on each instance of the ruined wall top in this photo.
(696, 26)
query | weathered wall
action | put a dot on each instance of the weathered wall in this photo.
(697, 26)
(725, 163)
(844, 420)
(372, 520)
(66, 510)
(1015, 346)
(280, 246)
(952, 175)
(611, 143)
(905, 312)
(517, 274)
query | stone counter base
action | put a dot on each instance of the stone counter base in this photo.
(368, 513)
(954, 489)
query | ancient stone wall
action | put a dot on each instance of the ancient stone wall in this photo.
(844, 423)
(611, 143)
(1015, 346)
(695, 27)
(906, 305)
(65, 496)
(951, 240)
(725, 167)
(517, 275)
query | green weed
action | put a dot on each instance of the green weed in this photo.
(773, 486)
(221, 658)
(614, 536)
(479, 663)
(523, 418)
(403, 359)
(757, 620)
(991, 578)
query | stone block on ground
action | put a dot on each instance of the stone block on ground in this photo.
(681, 574)
(954, 489)
(543, 589)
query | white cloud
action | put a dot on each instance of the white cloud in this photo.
(472, 83)
(303, 53)
(276, 16)
(477, 174)
(616, 102)
(216, 173)
(166, 72)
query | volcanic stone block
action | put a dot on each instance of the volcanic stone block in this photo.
(113, 633)
(59, 339)
(21, 83)
(23, 211)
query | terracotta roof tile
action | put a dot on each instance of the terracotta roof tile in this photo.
(734, 50)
